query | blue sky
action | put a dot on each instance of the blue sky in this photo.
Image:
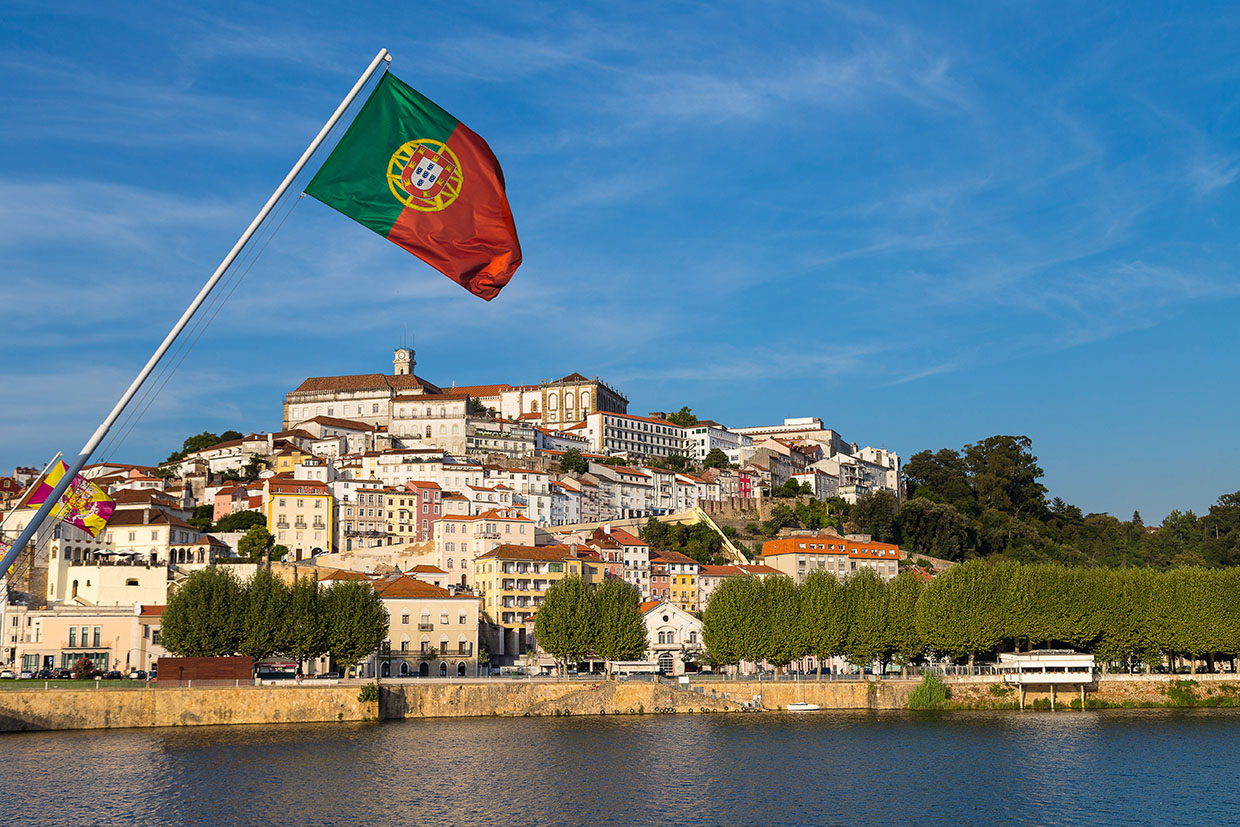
(925, 224)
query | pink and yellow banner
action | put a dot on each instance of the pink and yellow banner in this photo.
(83, 504)
(5, 545)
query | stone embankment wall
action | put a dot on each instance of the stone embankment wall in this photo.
(105, 709)
(775, 695)
(539, 699)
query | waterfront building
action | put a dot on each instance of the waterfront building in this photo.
(431, 632)
(111, 637)
(707, 434)
(673, 636)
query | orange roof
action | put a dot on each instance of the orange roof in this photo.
(758, 568)
(422, 568)
(828, 544)
(152, 611)
(340, 574)
(508, 551)
(362, 382)
(483, 390)
(671, 557)
(422, 484)
(336, 422)
(720, 571)
(404, 587)
(649, 604)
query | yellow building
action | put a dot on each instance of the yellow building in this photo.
(513, 581)
(431, 633)
(300, 515)
(680, 574)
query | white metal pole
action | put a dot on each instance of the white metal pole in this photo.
(102, 431)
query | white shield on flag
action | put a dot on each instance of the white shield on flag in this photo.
(426, 173)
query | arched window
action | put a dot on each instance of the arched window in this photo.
(404, 619)
(552, 403)
(443, 430)
(534, 407)
(456, 429)
(428, 431)
(585, 401)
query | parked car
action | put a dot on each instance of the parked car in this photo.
(6, 674)
(27, 675)
(113, 675)
(327, 676)
(137, 674)
(62, 674)
(44, 674)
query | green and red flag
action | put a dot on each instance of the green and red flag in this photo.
(420, 178)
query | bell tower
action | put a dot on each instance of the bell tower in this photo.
(404, 362)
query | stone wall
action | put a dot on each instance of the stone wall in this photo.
(147, 707)
(777, 695)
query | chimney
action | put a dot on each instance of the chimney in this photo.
(607, 529)
(572, 550)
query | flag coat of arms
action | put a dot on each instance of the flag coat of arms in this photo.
(420, 178)
(83, 504)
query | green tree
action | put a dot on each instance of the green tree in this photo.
(934, 528)
(203, 616)
(253, 467)
(240, 521)
(1004, 474)
(230, 435)
(256, 542)
(573, 461)
(684, 418)
(203, 517)
(715, 458)
(356, 621)
(265, 600)
(903, 640)
(304, 634)
(875, 514)
(961, 611)
(940, 477)
(1221, 527)
(824, 616)
(566, 625)
(677, 462)
(731, 625)
(621, 630)
(865, 598)
(784, 632)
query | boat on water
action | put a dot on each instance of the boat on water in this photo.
(801, 706)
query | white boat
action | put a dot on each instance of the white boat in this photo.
(801, 706)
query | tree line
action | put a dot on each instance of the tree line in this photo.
(577, 621)
(1123, 616)
(214, 614)
(986, 500)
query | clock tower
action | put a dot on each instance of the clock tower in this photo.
(404, 362)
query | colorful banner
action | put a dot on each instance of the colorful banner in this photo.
(83, 504)
(5, 545)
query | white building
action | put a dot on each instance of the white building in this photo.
(706, 435)
(641, 436)
(673, 636)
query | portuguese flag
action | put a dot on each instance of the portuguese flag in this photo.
(420, 178)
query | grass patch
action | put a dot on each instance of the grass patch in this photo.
(1001, 690)
(29, 685)
(931, 693)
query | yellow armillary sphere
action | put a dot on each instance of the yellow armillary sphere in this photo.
(425, 175)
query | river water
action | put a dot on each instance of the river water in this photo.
(1108, 768)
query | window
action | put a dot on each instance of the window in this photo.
(463, 620)
(451, 563)
(98, 634)
(404, 618)
(73, 636)
(428, 431)
(374, 408)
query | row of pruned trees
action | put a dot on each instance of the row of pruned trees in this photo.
(1128, 616)
(577, 621)
(214, 614)
(774, 620)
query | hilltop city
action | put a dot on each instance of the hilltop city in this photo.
(460, 505)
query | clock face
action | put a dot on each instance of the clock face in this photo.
(402, 352)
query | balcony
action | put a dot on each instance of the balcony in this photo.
(281, 524)
(426, 627)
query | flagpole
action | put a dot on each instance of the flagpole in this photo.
(102, 431)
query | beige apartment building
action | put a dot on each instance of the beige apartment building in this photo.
(431, 633)
(513, 581)
(798, 556)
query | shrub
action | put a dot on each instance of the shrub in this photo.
(930, 694)
(83, 668)
(368, 693)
